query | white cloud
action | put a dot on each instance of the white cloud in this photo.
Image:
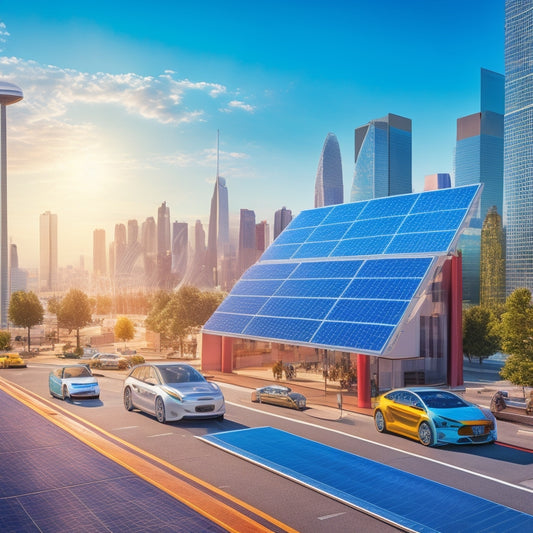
(4, 34)
(238, 104)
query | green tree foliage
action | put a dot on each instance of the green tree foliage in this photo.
(25, 311)
(124, 329)
(516, 331)
(74, 312)
(5, 340)
(479, 334)
(176, 314)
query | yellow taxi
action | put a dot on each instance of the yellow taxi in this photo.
(11, 360)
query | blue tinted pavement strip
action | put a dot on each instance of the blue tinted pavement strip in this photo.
(52, 481)
(408, 501)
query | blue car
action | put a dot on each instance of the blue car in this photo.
(73, 381)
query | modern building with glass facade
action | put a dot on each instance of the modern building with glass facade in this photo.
(479, 159)
(383, 159)
(48, 252)
(329, 188)
(518, 144)
(282, 217)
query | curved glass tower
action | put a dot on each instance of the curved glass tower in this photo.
(518, 143)
(329, 189)
(382, 159)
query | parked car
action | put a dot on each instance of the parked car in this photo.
(172, 391)
(11, 360)
(279, 395)
(434, 417)
(107, 360)
(73, 381)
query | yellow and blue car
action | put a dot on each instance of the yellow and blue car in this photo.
(434, 417)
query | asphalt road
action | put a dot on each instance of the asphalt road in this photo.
(500, 474)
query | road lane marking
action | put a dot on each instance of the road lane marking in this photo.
(159, 435)
(328, 516)
(375, 443)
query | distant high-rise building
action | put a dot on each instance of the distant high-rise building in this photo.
(218, 236)
(48, 252)
(383, 155)
(479, 159)
(282, 218)
(518, 142)
(492, 267)
(99, 252)
(163, 229)
(149, 248)
(18, 277)
(329, 188)
(199, 243)
(262, 236)
(180, 248)
(120, 248)
(247, 241)
(133, 233)
(434, 182)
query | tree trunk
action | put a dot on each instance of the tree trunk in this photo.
(77, 337)
(29, 341)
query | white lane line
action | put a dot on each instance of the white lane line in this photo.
(368, 441)
(328, 516)
(159, 435)
(125, 427)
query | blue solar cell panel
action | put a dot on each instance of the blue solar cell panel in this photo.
(227, 323)
(296, 236)
(374, 227)
(327, 269)
(329, 232)
(269, 271)
(256, 287)
(443, 220)
(315, 249)
(314, 308)
(396, 268)
(285, 329)
(318, 288)
(388, 206)
(275, 252)
(427, 242)
(382, 289)
(344, 212)
(370, 311)
(309, 218)
(365, 246)
(246, 305)
(367, 337)
(454, 198)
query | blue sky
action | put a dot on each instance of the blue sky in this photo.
(123, 101)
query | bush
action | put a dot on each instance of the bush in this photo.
(135, 360)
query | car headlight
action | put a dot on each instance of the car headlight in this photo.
(441, 422)
(172, 393)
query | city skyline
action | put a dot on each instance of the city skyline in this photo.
(121, 106)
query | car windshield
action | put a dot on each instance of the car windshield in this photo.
(179, 374)
(77, 372)
(441, 400)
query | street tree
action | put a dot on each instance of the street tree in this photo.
(54, 303)
(516, 331)
(103, 304)
(74, 313)
(5, 340)
(479, 334)
(124, 329)
(25, 311)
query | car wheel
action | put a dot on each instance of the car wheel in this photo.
(425, 434)
(128, 404)
(379, 421)
(160, 410)
(65, 392)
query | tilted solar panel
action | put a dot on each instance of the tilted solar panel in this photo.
(345, 276)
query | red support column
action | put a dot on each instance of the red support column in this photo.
(211, 355)
(227, 354)
(455, 368)
(363, 381)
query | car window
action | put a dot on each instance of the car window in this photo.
(78, 372)
(139, 373)
(442, 400)
(179, 374)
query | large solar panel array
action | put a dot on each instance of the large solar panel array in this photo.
(343, 277)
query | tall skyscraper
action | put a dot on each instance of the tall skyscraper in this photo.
(492, 268)
(48, 252)
(383, 159)
(262, 236)
(133, 233)
(18, 277)
(163, 229)
(329, 189)
(180, 248)
(149, 248)
(218, 236)
(99, 252)
(518, 142)
(282, 218)
(120, 245)
(479, 159)
(247, 241)
(434, 182)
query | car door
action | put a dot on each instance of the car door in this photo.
(405, 412)
(54, 381)
(151, 390)
(137, 388)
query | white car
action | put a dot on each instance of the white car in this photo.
(73, 381)
(172, 391)
(107, 360)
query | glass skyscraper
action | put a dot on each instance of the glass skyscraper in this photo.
(518, 144)
(479, 159)
(329, 188)
(383, 159)
(218, 236)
